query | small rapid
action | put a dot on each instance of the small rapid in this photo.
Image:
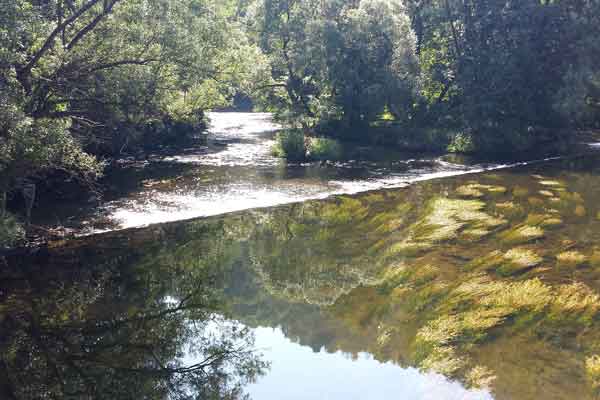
(235, 170)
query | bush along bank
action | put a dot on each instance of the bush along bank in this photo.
(295, 145)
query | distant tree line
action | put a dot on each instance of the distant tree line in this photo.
(500, 74)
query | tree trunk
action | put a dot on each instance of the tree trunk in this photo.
(2, 204)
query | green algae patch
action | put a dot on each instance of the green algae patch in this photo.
(497, 189)
(592, 371)
(436, 342)
(551, 222)
(531, 294)
(486, 263)
(469, 191)
(543, 220)
(388, 225)
(509, 209)
(551, 183)
(522, 234)
(408, 248)
(535, 201)
(580, 211)
(595, 258)
(518, 260)
(444, 220)
(443, 360)
(546, 193)
(475, 233)
(520, 191)
(480, 377)
(571, 258)
(476, 190)
(575, 301)
(346, 210)
(442, 233)
(507, 205)
(401, 274)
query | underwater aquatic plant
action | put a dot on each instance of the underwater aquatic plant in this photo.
(519, 259)
(522, 234)
(571, 258)
(551, 183)
(469, 191)
(480, 377)
(592, 369)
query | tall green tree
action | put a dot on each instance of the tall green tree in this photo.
(85, 78)
(338, 60)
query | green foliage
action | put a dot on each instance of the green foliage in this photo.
(461, 143)
(504, 70)
(11, 231)
(324, 149)
(29, 146)
(293, 145)
(106, 77)
(338, 61)
(290, 144)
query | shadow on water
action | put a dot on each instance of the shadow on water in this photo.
(486, 285)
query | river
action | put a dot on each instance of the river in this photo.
(474, 286)
(235, 171)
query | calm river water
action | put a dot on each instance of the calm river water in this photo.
(478, 286)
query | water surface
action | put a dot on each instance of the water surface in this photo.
(234, 171)
(479, 286)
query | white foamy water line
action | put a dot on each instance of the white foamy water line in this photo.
(241, 142)
(184, 207)
(394, 182)
(169, 207)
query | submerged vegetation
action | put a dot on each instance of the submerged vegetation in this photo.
(491, 280)
(423, 277)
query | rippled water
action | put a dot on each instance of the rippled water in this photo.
(235, 171)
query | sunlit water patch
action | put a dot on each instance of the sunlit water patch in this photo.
(235, 170)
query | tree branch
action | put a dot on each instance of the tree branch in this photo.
(85, 30)
(50, 39)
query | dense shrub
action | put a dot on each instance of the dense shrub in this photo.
(322, 149)
(11, 231)
(462, 143)
(290, 145)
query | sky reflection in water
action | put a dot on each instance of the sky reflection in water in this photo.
(299, 373)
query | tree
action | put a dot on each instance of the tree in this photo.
(85, 79)
(334, 60)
